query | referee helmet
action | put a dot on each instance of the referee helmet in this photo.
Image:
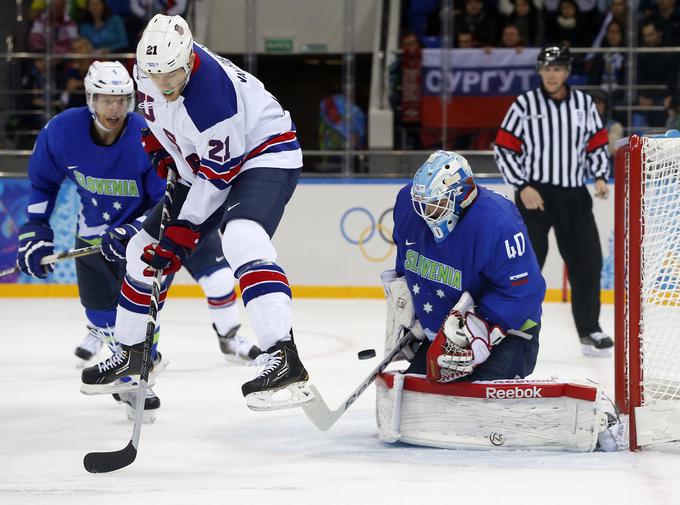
(554, 55)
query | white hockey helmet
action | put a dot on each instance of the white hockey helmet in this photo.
(108, 78)
(166, 45)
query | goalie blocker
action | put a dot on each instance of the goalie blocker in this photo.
(510, 414)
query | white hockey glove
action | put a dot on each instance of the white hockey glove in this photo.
(400, 315)
(464, 341)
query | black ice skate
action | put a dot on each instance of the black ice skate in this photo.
(119, 373)
(596, 344)
(281, 369)
(151, 404)
(236, 347)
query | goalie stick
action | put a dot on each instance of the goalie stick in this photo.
(101, 462)
(317, 410)
(53, 258)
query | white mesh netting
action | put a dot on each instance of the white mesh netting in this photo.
(660, 316)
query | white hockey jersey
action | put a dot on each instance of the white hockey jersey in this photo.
(224, 123)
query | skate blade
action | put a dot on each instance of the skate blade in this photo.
(236, 360)
(594, 352)
(114, 387)
(148, 417)
(159, 367)
(290, 396)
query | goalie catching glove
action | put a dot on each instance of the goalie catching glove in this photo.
(464, 342)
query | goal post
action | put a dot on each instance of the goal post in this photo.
(647, 289)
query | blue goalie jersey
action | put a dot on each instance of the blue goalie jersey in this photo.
(488, 254)
(116, 182)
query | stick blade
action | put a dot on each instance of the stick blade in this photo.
(102, 462)
(318, 412)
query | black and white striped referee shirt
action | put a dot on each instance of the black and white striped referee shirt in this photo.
(552, 142)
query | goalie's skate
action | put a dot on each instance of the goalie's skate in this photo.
(119, 373)
(281, 382)
(596, 344)
(236, 348)
(90, 346)
(151, 404)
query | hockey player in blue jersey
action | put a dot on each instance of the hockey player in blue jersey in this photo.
(98, 148)
(465, 274)
(236, 152)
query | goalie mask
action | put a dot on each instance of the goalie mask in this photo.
(166, 45)
(108, 78)
(442, 188)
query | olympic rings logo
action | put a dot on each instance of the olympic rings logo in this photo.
(365, 233)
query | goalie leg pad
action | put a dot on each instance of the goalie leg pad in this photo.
(400, 311)
(519, 414)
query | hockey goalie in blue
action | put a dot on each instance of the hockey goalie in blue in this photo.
(465, 265)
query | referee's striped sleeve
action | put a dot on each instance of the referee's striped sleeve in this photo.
(597, 157)
(508, 149)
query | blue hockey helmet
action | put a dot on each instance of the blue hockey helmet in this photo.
(442, 188)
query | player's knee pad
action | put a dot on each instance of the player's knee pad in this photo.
(218, 284)
(133, 256)
(245, 241)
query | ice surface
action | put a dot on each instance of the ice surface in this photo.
(208, 447)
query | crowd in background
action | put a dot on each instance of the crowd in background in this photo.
(519, 24)
(98, 27)
(113, 26)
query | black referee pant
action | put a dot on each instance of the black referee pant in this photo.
(570, 212)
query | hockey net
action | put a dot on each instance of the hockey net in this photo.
(647, 289)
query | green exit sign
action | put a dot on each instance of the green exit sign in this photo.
(278, 45)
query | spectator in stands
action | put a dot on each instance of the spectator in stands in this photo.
(608, 69)
(64, 30)
(665, 15)
(74, 85)
(481, 22)
(618, 11)
(528, 18)
(672, 106)
(614, 128)
(105, 31)
(465, 40)
(511, 38)
(74, 8)
(659, 69)
(405, 78)
(146, 9)
(566, 28)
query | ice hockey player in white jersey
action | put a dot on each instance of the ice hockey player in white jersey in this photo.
(238, 159)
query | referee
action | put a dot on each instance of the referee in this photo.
(551, 139)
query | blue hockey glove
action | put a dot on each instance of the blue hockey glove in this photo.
(114, 241)
(36, 240)
(179, 240)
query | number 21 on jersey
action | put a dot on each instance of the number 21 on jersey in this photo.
(518, 248)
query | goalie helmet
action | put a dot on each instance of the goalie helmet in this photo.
(108, 78)
(442, 188)
(554, 55)
(165, 46)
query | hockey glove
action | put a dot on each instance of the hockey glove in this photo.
(36, 240)
(464, 341)
(159, 157)
(178, 241)
(114, 241)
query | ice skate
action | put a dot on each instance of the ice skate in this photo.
(119, 373)
(235, 347)
(151, 404)
(281, 369)
(596, 344)
(90, 346)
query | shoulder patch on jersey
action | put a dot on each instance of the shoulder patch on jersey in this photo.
(210, 96)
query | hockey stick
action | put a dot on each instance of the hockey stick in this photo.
(53, 258)
(323, 417)
(100, 462)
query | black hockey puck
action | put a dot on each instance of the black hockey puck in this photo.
(366, 354)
